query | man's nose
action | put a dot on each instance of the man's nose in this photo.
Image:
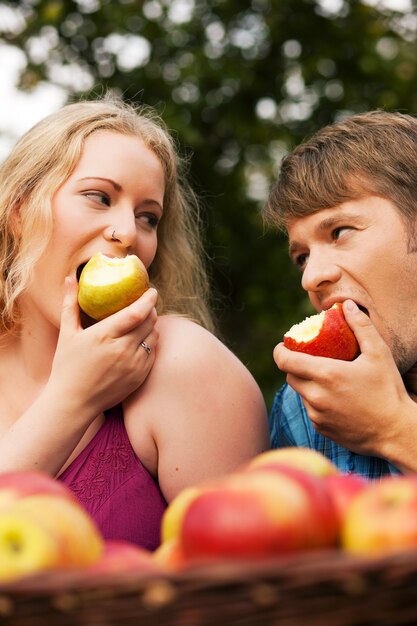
(320, 269)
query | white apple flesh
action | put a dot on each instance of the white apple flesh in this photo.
(108, 284)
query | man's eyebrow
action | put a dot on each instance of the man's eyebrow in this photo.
(329, 222)
(326, 224)
(107, 180)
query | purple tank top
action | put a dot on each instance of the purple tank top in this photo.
(115, 488)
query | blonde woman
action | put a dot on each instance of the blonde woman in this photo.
(124, 426)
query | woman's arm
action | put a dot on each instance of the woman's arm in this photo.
(93, 369)
(200, 413)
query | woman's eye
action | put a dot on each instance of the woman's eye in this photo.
(98, 196)
(149, 219)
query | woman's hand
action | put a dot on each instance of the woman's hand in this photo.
(101, 365)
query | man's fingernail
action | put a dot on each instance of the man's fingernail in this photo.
(351, 306)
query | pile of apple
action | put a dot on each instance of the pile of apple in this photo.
(282, 502)
(286, 501)
(43, 528)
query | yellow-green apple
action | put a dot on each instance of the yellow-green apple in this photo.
(170, 555)
(16, 485)
(306, 459)
(174, 513)
(259, 513)
(43, 532)
(108, 284)
(382, 518)
(121, 556)
(325, 334)
(342, 489)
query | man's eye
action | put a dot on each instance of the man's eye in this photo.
(339, 231)
(301, 261)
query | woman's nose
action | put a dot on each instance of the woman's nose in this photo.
(123, 230)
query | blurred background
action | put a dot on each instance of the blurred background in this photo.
(239, 83)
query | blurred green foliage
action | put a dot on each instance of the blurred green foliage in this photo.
(239, 83)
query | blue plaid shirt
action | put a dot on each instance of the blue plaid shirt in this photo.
(290, 425)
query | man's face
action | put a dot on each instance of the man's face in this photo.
(360, 250)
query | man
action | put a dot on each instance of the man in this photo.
(348, 201)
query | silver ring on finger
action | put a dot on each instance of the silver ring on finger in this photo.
(146, 347)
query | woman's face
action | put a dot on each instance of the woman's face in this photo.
(117, 187)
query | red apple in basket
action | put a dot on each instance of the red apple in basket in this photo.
(259, 513)
(306, 459)
(342, 489)
(174, 513)
(382, 518)
(108, 284)
(121, 557)
(325, 334)
(45, 531)
(16, 485)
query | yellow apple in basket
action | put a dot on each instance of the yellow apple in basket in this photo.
(174, 513)
(45, 531)
(108, 284)
(382, 518)
(259, 513)
(306, 459)
(325, 334)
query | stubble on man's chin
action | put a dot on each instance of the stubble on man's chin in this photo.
(405, 362)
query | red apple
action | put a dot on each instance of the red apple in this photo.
(382, 518)
(122, 556)
(16, 485)
(259, 513)
(46, 531)
(342, 489)
(306, 459)
(325, 334)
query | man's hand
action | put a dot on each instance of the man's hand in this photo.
(362, 405)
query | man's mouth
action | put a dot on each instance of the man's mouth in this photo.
(363, 309)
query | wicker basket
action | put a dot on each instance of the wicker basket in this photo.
(318, 589)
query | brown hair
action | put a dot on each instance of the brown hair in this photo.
(45, 157)
(367, 153)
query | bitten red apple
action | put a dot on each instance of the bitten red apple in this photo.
(108, 284)
(259, 513)
(325, 334)
(382, 518)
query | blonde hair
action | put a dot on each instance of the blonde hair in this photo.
(40, 163)
(367, 153)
